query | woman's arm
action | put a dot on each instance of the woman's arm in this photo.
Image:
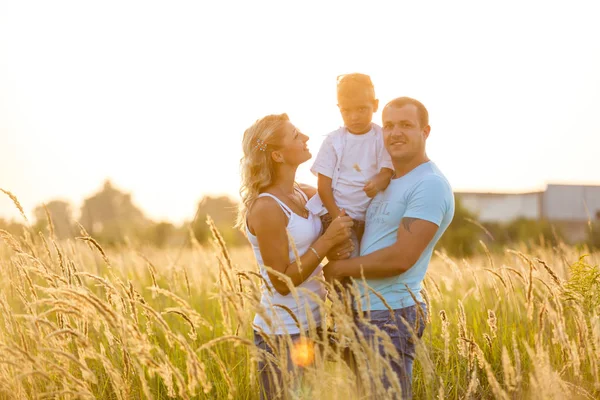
(268, 223)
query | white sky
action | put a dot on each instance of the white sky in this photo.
(156, 95)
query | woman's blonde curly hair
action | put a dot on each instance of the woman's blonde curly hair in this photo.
(257, 166)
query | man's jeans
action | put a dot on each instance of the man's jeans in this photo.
(401, 338)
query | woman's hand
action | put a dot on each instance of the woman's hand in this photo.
(340, 229)
(342, 251)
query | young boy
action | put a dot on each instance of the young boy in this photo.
(352, 164)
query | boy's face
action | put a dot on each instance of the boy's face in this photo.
(357, 108)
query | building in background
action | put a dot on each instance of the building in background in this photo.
(569, 207)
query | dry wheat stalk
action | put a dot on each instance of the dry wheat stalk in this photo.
(16, 203)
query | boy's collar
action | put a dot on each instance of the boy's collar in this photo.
(346, 130)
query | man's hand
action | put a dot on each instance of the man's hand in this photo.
(330, 271)
(342, 251)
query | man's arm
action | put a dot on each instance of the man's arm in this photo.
(425, 211)
(326, 194)
(379, 182)
(413, 237)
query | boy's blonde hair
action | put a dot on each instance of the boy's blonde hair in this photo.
(257, 167)
(349, 84)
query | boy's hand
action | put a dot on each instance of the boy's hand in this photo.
(371, 188)
(378, 183)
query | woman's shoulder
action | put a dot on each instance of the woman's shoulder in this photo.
(263, 205)
(265, 212)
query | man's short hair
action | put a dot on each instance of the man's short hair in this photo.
(403, 101)
(348, 84)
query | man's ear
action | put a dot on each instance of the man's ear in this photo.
(426, 131)
(375, 105)
(277, 156)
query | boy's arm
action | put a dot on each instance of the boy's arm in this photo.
(324, 168)
(326, 194)
(379, 182)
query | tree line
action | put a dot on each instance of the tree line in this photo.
(111, 217)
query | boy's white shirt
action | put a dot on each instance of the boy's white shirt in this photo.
(333, 146)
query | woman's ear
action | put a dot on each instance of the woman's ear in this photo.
(277, 156)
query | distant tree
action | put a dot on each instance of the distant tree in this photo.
(594, 232)
(532, 232)
(161, 233)
(61, 215)
(463, 235)
(12, 227)
(223, 211)
(594, 235)
(110, 215)
(164, 234)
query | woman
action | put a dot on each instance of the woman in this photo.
(272, 214)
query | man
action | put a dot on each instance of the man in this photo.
(403, 224)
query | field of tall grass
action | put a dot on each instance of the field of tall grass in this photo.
(78, 321)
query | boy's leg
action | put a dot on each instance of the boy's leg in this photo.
(345, 293)
(357, 231)
(325, 221)
(356, 242)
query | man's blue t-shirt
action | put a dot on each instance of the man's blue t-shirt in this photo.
(423, 193)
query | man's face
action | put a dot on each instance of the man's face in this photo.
(403, 134)
(357, 110)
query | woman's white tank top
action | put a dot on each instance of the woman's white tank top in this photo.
(304, 231)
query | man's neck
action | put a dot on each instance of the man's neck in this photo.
(402, 168)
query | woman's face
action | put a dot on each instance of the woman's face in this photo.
(292, 149)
